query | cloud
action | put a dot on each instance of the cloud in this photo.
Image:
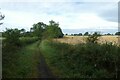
(21, 19)
(59, 0)
(110, 12)
(70, 15)
(90, 21)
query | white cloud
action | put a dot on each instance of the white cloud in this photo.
(89, 21)
(69, 15)
(59, 0)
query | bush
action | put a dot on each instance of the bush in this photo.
(28, 40)
(11, 45)
(83, 60)
(93, 38)
(12, 37)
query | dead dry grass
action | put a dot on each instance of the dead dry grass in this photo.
(82, 39)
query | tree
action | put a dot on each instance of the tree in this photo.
(80, 34)
(66, 34)
(86, 34)
(108, 34)
(38, 29)
(75, 34)
(42, 30)
(22, 32)
(117, 33)
(12, 37)
(53, 30)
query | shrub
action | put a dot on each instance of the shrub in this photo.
(27, 40)
(93, 38)
(87, 60)
(12, 37)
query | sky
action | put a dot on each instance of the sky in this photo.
(71, 15)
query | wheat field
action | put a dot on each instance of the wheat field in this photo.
(82, 39)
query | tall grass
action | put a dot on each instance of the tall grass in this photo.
(19, 62)
(86, 60)
(28, 40)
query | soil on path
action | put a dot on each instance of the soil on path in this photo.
(44, 70)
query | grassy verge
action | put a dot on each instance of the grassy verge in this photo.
(51, 52)
(82, 60)
(28, 61)
(24, 64)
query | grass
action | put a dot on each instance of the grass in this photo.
(27, 40)
(84, 60)
(26, 65)
(65, 60)
(49, 54)
(28, 61)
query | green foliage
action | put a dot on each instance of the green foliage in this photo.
(42, 30)
(117, 33)
(11, 46)
(82, 60)
(53, 30)
(86, 34)
(27, 34)
(22, 32)
(28, 40)
(38, 29)
(21, 63)
(12, 37)
(93, 38)
(108, 34)
(80, 34)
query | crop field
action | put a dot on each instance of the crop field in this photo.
(82, 39)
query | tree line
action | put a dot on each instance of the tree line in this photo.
(87, 34)
(40, 29)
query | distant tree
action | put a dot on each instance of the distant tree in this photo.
(86, 34)
(80, 34)
(108, 34)
(117, 33)
(66, 34)
(38, 29)
(22, 32)
(97, 33)
(75, 34)
(28, 34)
(53, 30)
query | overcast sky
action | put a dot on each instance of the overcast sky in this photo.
(77, 14)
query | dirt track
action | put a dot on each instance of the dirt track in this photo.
(44, 70)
